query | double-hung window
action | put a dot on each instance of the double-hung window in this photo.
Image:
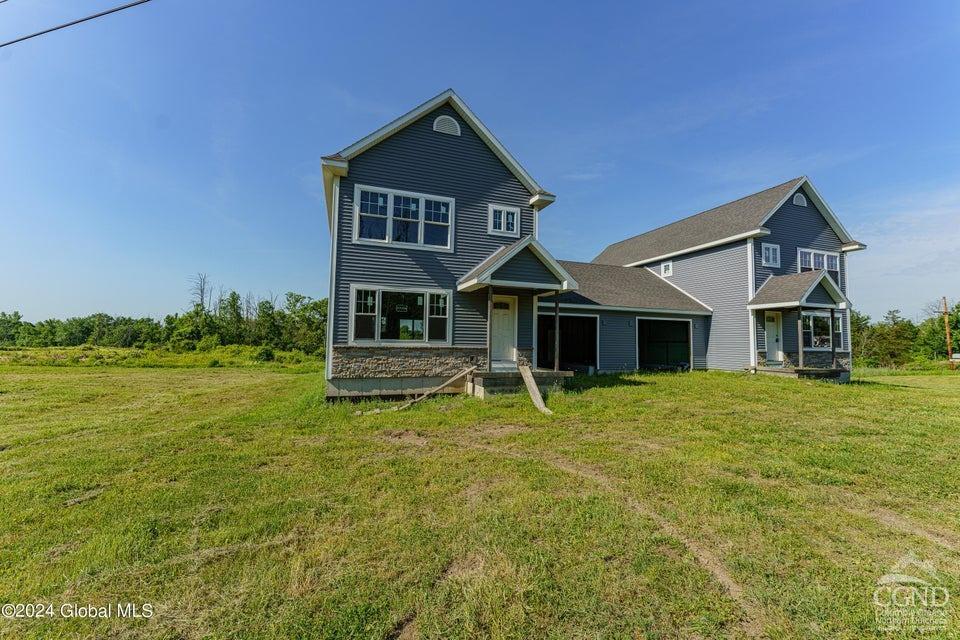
(403, 218)
(771, 255)
(817, 332)
(812, 260)
(400, 315)
(503, 220)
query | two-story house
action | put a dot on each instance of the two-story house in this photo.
(435, 266)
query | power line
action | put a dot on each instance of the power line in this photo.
(70, 24)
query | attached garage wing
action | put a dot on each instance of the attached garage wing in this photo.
(664, 344)
(578, 342)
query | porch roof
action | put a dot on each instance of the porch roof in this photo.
(806, 289)
(525, 263)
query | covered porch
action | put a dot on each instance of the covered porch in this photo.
(511, 279)
(798, 321)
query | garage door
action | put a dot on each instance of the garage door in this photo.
(663, 344)
(578, 342)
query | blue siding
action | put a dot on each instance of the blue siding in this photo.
(820, 296)
(793, 228)
(718, 278)
(526, 267)
(424, 161)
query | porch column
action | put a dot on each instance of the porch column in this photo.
(556, 331)
(833, 343)
(489, 328)
(800, 337)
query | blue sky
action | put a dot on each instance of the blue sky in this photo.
(179, 137)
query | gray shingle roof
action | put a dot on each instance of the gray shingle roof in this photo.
(633, 287)
(785, 289)
(733, 218)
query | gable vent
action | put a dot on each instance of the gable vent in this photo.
(799, 199)
(446, 124)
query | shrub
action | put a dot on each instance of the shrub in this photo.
(208, 343)
(214, 364)
(264, 354)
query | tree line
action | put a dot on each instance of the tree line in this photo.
(297, 323)
(895, 341)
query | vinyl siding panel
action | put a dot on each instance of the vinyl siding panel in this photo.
(718, 278)
(820, 296)
(793, 228)
(421, 160)
(526, 267)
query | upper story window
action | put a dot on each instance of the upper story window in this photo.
(504, 221)
(400, 315)
(666, 269)
(799, 199)
(771, 255)
(403, 218)
(812, 260)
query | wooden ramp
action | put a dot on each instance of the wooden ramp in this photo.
(533, 389)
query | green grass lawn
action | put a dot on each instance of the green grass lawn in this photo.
(241, 505)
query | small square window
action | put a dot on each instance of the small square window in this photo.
(504, 221)
(666, 269)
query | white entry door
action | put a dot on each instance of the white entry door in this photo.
(773, 329)
(504, 344)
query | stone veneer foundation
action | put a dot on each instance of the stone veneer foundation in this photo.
(404, 362)
(811, 359)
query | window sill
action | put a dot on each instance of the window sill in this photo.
(401, 245)
(505, 234)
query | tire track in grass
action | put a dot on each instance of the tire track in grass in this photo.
(752, 626)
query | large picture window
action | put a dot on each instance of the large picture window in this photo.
(403, 218)
(400, 315)
(817, 332)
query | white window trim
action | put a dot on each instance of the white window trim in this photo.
(389, 239)
(823, 314)
(498, 232)
(763, 259)
(376, 341)
(825, 254)
(665, 267)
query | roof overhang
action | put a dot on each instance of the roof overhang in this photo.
(540, 198)
(840, 300)
(853, 246)
(331, 167)
(754, 233)
(822, 206)
(484, 278)
(606, 307)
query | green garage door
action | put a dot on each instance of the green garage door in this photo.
(663, 344)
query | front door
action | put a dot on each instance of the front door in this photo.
(504, 345)
(772, 327)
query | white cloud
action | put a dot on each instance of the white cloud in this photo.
(913, 254)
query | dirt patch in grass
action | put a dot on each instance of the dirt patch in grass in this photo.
(405, 629)
(498, 430)
(84, 497)
(405, 436)
(464, 568)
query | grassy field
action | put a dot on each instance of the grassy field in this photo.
(240, 505)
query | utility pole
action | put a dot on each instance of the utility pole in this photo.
(946, 326)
